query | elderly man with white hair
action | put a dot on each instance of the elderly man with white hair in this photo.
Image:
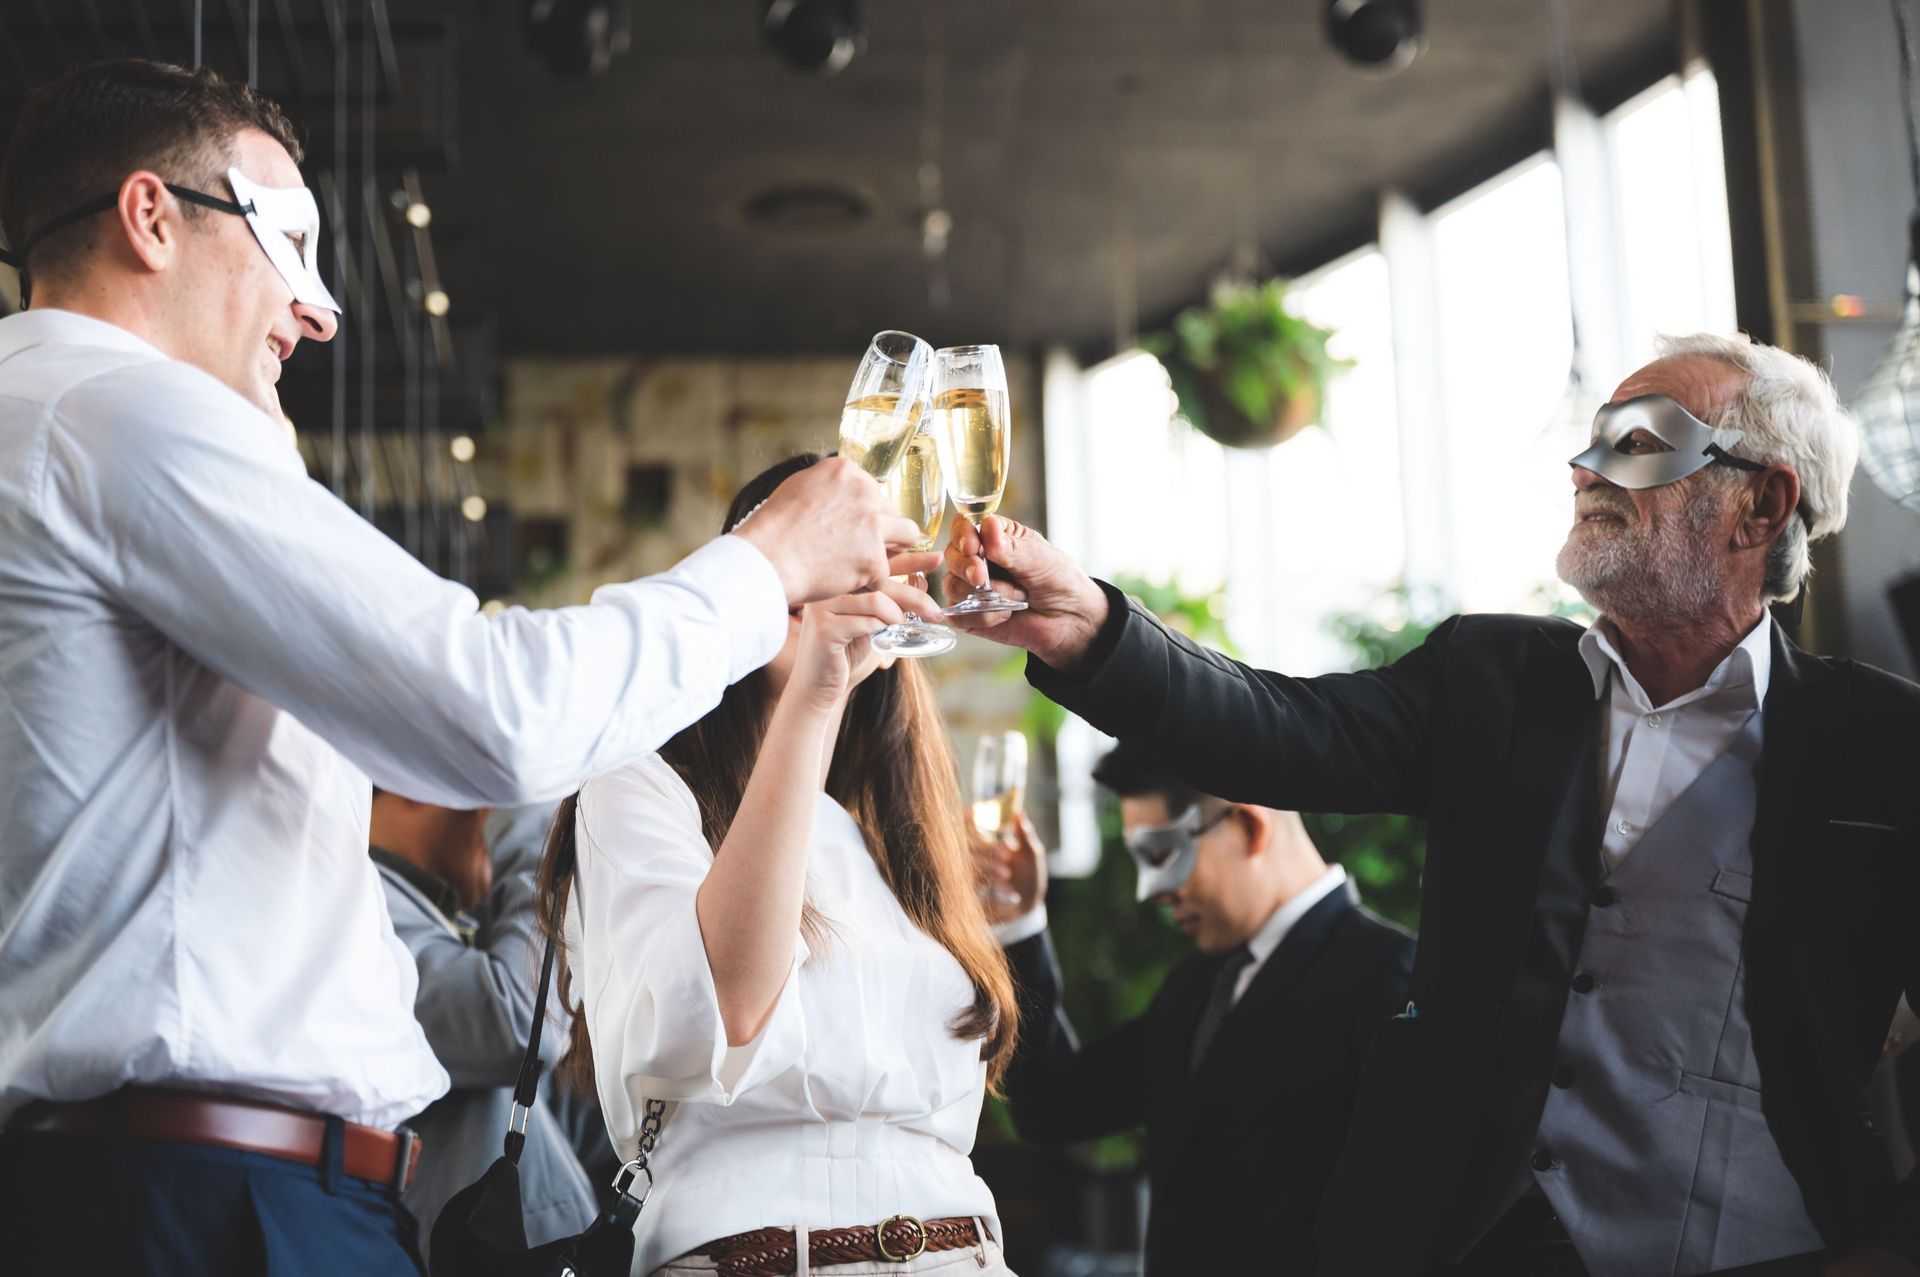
(1671, 869)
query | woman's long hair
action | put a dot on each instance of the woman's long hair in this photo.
(893, 769)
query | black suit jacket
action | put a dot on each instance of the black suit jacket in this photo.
(1490, 731)
(1238, 1153)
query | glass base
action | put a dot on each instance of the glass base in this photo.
(985, 600)
(914, 637)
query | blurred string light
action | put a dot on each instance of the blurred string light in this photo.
(419, 216)
(1888, 403)
(462, 447)
(473, 509)
(436, 302)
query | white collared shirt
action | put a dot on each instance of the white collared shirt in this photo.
(1650, 754)
(1282, 920)
(203, 657)
(854, 1103)
(1262, 945)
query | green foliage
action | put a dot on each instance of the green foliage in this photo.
(1384, 852)
(1249, 349)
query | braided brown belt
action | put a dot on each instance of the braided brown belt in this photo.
(770, 1252)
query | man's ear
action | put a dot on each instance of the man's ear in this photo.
(150, 220)
(1776, 499)
(1258, 825)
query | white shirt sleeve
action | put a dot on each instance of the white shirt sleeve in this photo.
(187, 505)
(652, 1012)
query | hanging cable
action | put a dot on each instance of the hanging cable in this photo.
(253, 44)
(199, 22)
(1902, 25)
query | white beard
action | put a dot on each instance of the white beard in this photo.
(1639, 573)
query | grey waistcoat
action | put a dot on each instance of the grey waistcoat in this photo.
(1657, 1157)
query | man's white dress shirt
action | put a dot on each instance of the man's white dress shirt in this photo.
(853, 1104)
(1281, 921)
(1650, 753)
(203, 658)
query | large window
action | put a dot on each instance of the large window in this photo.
(1325, 523)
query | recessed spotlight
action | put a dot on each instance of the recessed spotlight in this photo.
(1380, 35)
(821, 36)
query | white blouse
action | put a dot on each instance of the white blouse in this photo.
(854, 1103)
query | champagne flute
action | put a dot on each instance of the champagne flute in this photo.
(976, 434)
(918, 493)
(999, 792)
(886, 403)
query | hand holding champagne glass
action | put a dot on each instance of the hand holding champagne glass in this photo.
(975, 428)
(999, 793)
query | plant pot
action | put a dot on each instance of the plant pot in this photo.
(1226, 424)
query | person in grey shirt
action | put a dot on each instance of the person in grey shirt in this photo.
(460, 887)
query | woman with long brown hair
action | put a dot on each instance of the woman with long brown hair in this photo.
(774, 929)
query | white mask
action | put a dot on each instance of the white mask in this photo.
(279, 215)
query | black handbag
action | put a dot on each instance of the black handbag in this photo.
(482, 1231)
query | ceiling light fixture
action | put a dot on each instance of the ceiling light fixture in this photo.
(1380, 35)
(821, 36)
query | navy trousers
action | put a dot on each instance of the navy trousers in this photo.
(108, 1205)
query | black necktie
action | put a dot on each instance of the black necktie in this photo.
(1219, 1003)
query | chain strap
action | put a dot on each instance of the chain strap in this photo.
(649, 1137)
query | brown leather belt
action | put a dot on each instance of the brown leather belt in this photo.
(770, 1252)
(252, 1126)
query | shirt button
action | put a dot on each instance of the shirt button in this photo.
(1563, 1077)
(1624, 827)
(1542, 1160)
(1603, 897)
(1584, 983)
(1653, 720)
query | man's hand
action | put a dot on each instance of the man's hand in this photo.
(827, 531)
(1011, 870)
(1065, 608)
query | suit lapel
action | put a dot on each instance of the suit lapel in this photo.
(1804, 713)
(1256, 1009)
(1304, 942)
(1554, 824)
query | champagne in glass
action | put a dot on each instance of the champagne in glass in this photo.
(918, 490)
(999, 791)
(886, 403)
(975, 429)
(918, 494)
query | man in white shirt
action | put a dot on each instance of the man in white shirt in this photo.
(204, 657)
(1672, 860)
(1240, 1070)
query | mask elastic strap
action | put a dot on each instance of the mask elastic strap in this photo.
(1726, 458)
(94, 206)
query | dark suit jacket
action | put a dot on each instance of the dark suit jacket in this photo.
(1238, 1153)
(1490, 731)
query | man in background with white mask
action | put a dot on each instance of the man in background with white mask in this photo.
(1241, 1069)
(207, 1038)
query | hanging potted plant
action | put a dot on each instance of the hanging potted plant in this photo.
(1248, 372)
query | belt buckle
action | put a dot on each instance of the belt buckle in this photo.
(406, 1140)
(880, 1238)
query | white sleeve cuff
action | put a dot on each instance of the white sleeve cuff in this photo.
(1025, 927)
(748, 597)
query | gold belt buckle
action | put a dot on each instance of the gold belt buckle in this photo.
(880, 1238)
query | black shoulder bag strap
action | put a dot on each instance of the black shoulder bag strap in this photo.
(481, 1232)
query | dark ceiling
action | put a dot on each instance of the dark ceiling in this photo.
(607, 214)
(1101, 159)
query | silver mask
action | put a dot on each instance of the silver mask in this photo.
(1696, 445)
(1165, 854)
